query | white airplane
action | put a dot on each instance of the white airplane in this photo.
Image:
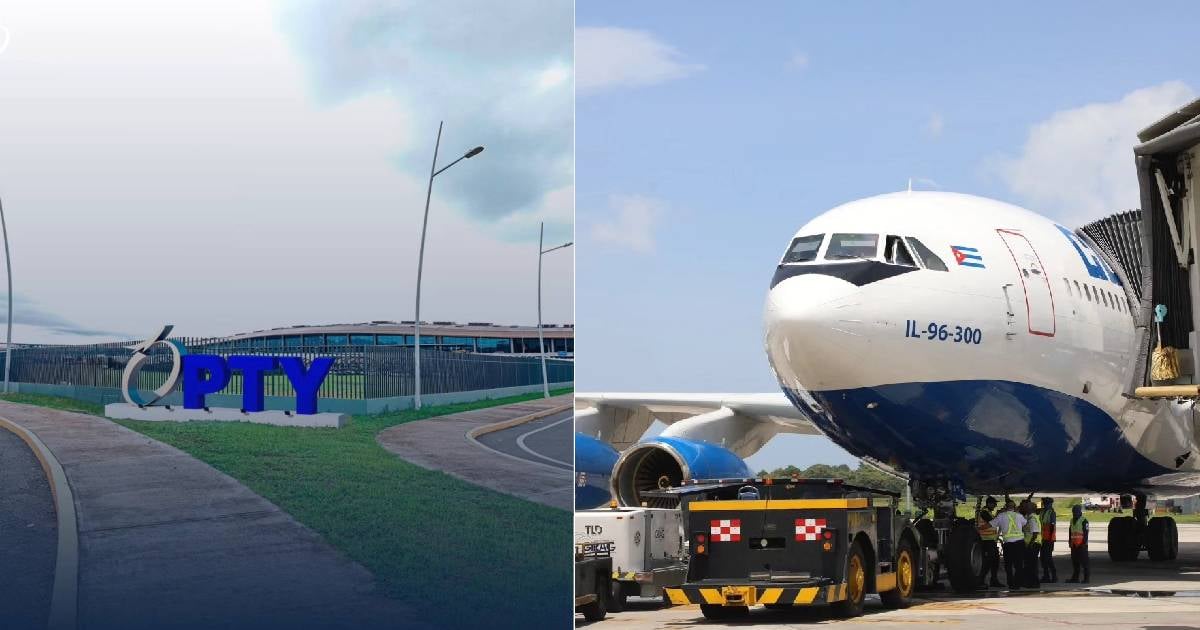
(965, 343)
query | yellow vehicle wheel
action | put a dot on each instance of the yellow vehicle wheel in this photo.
(856, 584)
(906, 578)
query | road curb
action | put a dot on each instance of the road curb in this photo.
(473, 434)
(512, 422)
(64, 599)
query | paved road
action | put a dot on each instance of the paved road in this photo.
(1139, 595)
(28, 536)
(549, 440)
(166, 541)
(441, 444)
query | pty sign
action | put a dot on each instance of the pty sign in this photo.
(204, 374)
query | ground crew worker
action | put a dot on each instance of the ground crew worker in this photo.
(1049, 523)
(1078, 542)
(1033, 544)
(1009, 525)
(988, 534)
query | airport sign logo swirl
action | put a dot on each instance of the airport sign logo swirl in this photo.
(129, 378)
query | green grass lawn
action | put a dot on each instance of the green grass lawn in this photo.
(1062, 508)
(459, 554)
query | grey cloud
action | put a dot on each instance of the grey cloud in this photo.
(498, 73)
(28, 312)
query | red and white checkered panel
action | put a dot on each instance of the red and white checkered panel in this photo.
(728, 530)
(809, 528)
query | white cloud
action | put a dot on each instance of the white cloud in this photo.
(936, 125)
(1077, 165)
(608, 57)
(798, 61)
(497, 73)
(632, 226)
(203, 186)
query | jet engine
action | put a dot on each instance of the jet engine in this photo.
(594, 460)
(663, 462)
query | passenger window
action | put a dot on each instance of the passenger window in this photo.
(1068, 283)
(845, 246)
(896, 252)
(1077, 291)
(804, 249)
(928, 258)
(1087, 291)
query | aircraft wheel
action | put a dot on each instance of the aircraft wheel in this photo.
(1123, 544)
(1162, 539)
(965, 561)
(1172, 539)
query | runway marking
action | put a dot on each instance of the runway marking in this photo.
(521, 442)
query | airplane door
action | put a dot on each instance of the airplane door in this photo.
(1039, 302)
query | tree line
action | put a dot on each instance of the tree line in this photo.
(862, 476)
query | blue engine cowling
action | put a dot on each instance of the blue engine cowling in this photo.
(664, 462)
(594, 461)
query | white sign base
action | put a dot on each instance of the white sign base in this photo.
(126, 411)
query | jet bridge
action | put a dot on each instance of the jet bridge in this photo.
(1168, 184)
(1153, 249)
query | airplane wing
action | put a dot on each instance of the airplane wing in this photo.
(742, 423)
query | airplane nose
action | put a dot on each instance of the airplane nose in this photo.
(811, 328)
(806, 297)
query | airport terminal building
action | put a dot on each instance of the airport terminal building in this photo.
(374, 363)
(481, 337)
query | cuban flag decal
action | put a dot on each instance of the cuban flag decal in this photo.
(967, 256)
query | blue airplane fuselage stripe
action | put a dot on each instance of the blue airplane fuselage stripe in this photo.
(1042, 439)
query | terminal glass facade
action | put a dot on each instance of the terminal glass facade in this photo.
(467, 343)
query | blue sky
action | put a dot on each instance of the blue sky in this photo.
(706, 134)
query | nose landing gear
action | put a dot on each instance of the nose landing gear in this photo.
(950, 542)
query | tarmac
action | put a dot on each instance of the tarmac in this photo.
(549, 440)
(442, 444)
(167, 541)
(28, 535)
(1142, 594)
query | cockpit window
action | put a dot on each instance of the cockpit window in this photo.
(844, 246)
(928, 258)
(804, 249)
(896, 253)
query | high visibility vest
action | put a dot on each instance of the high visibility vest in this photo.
(986, 532)
(1078, 532)
(1033, 529)
(1048, 519)
(1011, 531)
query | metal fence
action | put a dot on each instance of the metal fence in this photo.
(358, 371)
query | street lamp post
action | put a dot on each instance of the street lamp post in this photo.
(434, 171)
(8, 334)
(541, 343)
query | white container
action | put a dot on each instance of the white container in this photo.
(646, 545)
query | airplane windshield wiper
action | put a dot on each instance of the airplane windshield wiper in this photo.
(847, 257)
